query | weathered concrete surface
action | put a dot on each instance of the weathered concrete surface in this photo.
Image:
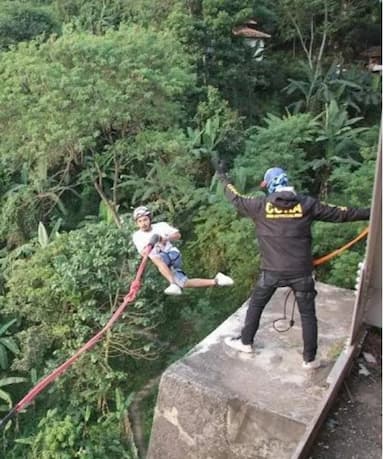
(216, 403)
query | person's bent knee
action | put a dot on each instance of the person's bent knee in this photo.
(180, 278)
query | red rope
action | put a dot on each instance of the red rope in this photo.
(41, 385)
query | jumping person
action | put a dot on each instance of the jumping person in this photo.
(165, 256)
(283, 222)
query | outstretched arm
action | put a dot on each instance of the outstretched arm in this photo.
(339, 214)
(246, 205)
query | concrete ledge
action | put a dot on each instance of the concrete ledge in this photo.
(216, 403)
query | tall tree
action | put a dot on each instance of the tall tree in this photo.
(74, 108)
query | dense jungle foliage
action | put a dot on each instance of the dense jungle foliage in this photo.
(106, 105)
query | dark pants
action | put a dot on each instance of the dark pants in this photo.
(303, 287)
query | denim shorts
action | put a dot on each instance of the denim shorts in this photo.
(173, 260)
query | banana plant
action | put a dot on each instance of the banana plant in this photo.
(204, 141)
(338, 131)
(42, 235)
(338, 136)
(319, 88)
(7, 344)
(5, 396)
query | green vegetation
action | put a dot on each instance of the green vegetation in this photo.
(108, 105)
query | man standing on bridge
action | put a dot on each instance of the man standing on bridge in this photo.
(283, 222)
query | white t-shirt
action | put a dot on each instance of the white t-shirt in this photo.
(141, 238)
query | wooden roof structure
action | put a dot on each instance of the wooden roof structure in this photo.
(248, 30)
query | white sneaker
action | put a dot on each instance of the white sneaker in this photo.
(173, 289)
(235, 343)
(223, 281)
(312, 365)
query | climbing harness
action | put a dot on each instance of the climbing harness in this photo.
(172, 258)
(43, 383)
(291, 321)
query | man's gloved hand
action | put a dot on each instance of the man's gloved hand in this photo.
(219, 165)
(155, 238)
(221, 170)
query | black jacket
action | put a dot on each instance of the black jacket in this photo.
(283, 225)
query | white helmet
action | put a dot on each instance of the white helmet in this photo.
(141, 211)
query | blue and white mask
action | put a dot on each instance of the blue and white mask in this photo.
(274, 178)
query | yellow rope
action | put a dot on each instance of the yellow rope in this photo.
(329, 256)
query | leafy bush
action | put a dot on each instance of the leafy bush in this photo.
(69, 289)
(23, 22)
(72, 435)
